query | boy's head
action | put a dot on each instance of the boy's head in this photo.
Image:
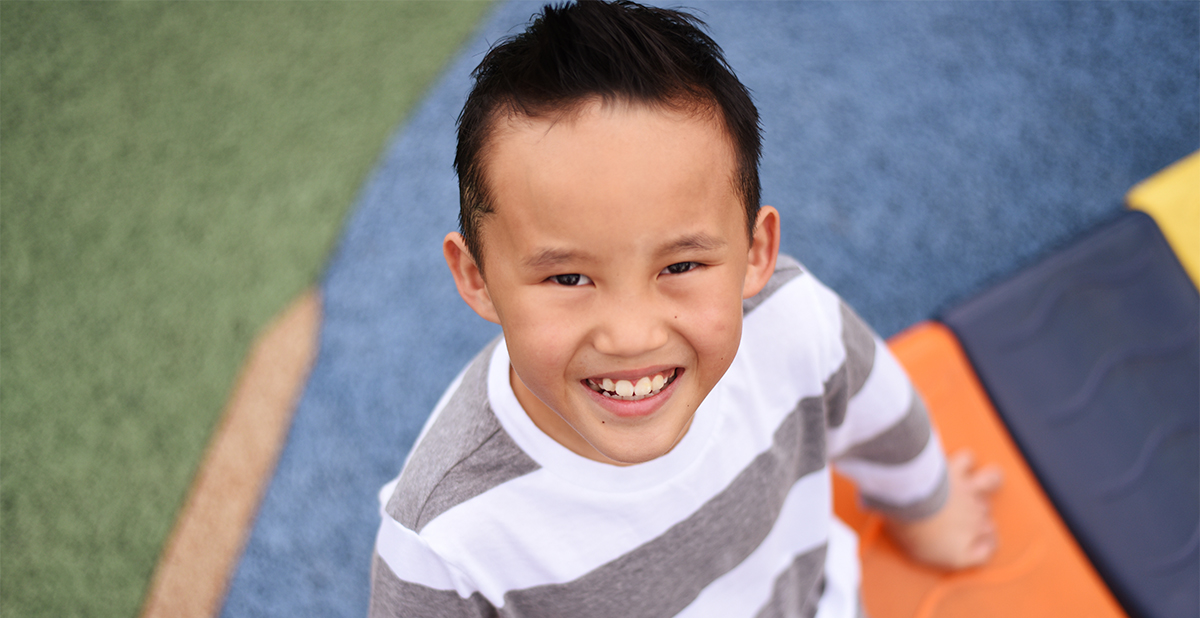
(573, 54)
(618, 220)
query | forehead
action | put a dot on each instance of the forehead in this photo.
(609, 125)
(608, 164)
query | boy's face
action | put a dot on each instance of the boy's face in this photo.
(617, 259)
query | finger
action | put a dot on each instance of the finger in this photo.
(987, 530)
(963, 459)
(983, 550)
(983, 546)
(987, 480)
(981, 510)
(960, 464)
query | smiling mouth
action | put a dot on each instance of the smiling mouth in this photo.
(633, 390)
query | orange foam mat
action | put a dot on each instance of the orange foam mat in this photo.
(1038, 570)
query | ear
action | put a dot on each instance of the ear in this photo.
(764, 248)
(468, 278)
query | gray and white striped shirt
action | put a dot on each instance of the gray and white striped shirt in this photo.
(491, 517)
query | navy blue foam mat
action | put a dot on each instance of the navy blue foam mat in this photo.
(916, 151)
(1093, 360)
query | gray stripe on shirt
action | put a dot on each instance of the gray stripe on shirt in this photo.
(465, 453)
(496, 461)
(917, 510)
(798, 589)
(901, 442)
(837, 397)
(859, 342)
(664, 575)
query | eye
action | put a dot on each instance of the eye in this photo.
(571, 279)
(679, 268)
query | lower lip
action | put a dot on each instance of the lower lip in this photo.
(635, 409)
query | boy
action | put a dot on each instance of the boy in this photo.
(651, 435)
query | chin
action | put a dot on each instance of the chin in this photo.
(630, 459)
(636, 454)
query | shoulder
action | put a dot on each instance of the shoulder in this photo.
(463, 452)
(793, 292)
(794, 313)
(787, 269)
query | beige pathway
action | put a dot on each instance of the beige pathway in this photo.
(210, 533)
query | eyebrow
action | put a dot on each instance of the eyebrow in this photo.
(692, 242)
(549, 257)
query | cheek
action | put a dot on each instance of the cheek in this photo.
(540, 347)
(715, 331)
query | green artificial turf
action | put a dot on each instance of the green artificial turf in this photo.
(171, 176)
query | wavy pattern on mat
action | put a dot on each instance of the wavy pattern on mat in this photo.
(1050, 299)
(1077, 403)
(1180, 558)
(1023, 565)
(1127, 481)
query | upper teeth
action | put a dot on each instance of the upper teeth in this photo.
(628, 390)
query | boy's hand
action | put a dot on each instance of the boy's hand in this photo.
(962, 534)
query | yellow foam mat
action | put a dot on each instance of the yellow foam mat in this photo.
(1172, 197)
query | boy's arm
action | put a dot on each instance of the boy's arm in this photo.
(938, 511)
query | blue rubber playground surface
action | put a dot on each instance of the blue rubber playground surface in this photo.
(919, 153)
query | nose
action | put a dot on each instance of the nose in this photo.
(631, 325)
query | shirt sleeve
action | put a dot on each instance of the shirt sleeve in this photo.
(409, 578)
(879, 430)
(394, 597)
